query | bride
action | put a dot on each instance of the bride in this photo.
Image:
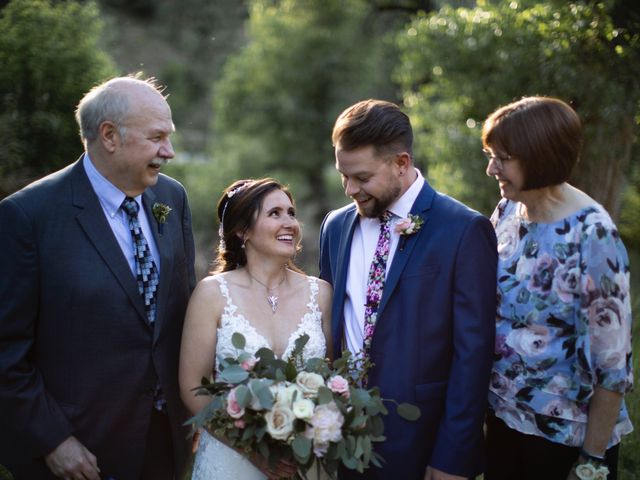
(255, 290)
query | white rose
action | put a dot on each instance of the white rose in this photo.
(309, 383)
(303, 408)
(327, 423)
(585, 471)
(280, 421)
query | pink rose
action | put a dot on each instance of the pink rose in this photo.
(339, 384)
(233, 408)
(239, 423)
(248, 364)
(404, 224)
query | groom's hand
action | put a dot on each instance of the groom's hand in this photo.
(71, 460)
(435, 474)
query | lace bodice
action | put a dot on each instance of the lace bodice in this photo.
(232, 321)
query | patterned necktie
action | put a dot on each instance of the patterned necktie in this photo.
(146, 271)
(375, 281)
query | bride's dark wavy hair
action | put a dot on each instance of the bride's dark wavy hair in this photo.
(238, 209)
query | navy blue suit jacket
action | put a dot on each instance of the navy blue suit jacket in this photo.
(76, 354)
(434, 336)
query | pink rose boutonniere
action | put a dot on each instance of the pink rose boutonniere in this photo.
(408, 226)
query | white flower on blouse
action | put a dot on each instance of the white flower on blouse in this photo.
(529, 341)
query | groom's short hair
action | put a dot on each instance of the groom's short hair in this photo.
(373, 122)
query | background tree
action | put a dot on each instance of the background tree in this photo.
(278, 97)
(458, 65)
(50, 56)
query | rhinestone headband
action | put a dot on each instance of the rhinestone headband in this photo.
(230, 194)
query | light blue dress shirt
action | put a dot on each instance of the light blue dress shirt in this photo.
(111, 198)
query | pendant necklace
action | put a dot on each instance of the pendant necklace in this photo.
(272, 299)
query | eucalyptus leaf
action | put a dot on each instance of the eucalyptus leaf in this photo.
(324, 395)
(265, 397)
(238, 341)
(408, 411)
(301, 448)
(263, 448)
(300, 342)
(358, 450)
(349, 462)
(234, 374)
(243, 396)
(265, 354)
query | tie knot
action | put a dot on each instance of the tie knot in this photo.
(130, 206)
(385, 217)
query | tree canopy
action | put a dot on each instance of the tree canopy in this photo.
(458, 65)
(303, 63)
(50, 55)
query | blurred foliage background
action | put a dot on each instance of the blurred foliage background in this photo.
(255, 86)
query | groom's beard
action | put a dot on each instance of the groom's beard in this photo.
(375, 207)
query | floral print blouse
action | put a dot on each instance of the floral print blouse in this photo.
(563, 324)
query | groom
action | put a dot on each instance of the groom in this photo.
(97, 268)
(428, 327)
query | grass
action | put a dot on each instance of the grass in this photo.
(629, 467)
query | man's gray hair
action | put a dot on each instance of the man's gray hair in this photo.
(108, 102)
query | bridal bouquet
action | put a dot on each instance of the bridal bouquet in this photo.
(295, 410)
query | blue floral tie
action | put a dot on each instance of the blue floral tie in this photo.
(146, 271)
(375, 281)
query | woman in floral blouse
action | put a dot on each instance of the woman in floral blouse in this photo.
(563, 324)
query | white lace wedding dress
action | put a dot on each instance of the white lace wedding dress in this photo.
(214, 460)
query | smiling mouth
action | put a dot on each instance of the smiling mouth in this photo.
(158, 163)
(285, 238)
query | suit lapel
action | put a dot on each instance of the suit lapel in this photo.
(340, 282)
(164, 242)
(92, 220)
(421, 207)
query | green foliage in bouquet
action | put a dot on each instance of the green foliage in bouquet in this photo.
(297, 410)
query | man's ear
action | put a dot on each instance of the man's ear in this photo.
(109, 136)
(402, 161)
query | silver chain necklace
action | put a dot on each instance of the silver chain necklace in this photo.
(272, 299)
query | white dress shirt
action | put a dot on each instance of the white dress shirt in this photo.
(363, 247)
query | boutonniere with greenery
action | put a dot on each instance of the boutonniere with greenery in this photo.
(161, 211)
(408, 226)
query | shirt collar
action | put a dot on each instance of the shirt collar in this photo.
(110, 196)
(402, 206)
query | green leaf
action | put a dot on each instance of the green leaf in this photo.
(234, 374)
(349, 462)
(263, 448)
(300, 342)
(367, 448)
(324, 395)
(376, 426)
(238, 341)
(243, 396)
(291, 372)
(264, 396)
(358, 450)
(358, 422)
(408, 411)
(266, 354)
(359, 397)
(301, 448)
